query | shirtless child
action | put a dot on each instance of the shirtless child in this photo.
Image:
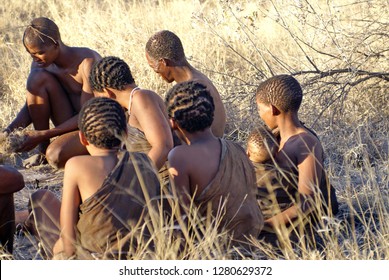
(11, 181)
(103, 204)
(149, 129)
(299, 156)
(165, 55)
(211, 170)
(57, 87)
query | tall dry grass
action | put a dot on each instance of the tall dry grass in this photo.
(336, 49)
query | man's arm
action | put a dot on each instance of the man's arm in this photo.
(22, 119)
(71, 201)
(154, 125)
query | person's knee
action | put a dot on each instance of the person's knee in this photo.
(54, 155)
(37, 80)
(11, 180)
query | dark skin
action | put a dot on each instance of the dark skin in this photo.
(57, 86)
(11, 181)
(193, 166)
(171, 71)
(299, 149)
(148, 114)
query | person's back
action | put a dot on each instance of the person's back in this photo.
(165, 55)
(215, 172)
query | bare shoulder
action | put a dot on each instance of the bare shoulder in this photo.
(77, 163)
(179, 154)
(147, 97)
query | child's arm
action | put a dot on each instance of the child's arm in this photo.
(69, 208)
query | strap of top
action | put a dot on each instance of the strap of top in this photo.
(130, 103)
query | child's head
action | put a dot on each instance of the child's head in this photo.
(110, 72)
(191, 106)
(282, 91)
(40, 32)
(261, 145)
(103, 123)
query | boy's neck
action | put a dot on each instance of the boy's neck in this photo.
(289, 125)
(99, 152)
(199, 137)
(65, 58)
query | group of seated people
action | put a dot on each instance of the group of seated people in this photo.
(125, 151)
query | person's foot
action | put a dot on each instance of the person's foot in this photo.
(34, 160)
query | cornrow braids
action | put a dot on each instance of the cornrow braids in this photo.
(103, 122)
(190, 105)
(282, 91)
(165, 44)
(41, 31)
(111, 72)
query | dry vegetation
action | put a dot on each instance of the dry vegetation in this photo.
(338, 50)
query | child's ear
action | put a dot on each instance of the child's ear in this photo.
(109, 93)
(275, 111)
(83, 140)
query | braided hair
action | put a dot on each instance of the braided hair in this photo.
(111, 72)
(103, 122)
(282, 91)
(191, 106)
(41, 31)
(165, 44)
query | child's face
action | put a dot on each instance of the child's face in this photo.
(266, 114)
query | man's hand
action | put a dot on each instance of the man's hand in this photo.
(29, 140)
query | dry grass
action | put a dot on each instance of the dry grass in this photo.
(336, 49)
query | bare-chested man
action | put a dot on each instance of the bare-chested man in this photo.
(165, 55)
(57, 86)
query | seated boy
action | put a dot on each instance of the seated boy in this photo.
(210, 170)
(11, 181)
(299, 157)
(104, 200)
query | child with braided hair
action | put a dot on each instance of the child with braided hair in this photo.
(105, 195)
(165, 55)
(57, 87)
(212, 171)
(148, 129)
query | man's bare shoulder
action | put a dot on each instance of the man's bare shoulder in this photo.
(86, 53)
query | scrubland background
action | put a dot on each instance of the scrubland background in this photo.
(338, 50)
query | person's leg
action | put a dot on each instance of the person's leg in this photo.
(7, 221)
(46, 99)
(44, 221)
(63, 148)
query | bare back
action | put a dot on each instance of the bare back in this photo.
(219, 121)
(195, 165)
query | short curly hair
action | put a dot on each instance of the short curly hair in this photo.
(111, 72)
(165, 44)
(191, 106)
(103, 122)
(282, 91)
(41, 31)
(261, 141)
